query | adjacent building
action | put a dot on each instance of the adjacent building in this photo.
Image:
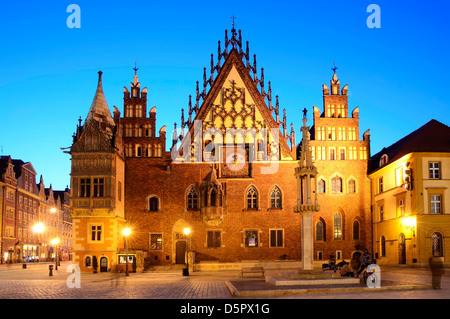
(23, 206)
(410, 197)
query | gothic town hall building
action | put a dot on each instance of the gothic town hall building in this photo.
(228, 176)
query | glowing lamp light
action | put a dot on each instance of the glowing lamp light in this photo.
(187, 231)
(53, 210)
(126, 232)
(409, 222)
(39, 227)
(55, 241)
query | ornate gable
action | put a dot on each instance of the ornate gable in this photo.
(234, 102)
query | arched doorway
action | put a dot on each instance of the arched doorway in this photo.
(180, 241)
(401, 249)
(180, 252)
(103, 264)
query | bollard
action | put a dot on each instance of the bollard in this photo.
(50, 270)
(24, 266)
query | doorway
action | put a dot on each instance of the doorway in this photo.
(180, 248)
(401, 249)
(103, 264)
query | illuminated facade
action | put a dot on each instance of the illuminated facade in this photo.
(229, 175)
(410, 197)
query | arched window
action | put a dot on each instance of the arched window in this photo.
(88, 261)
(320, 231)
(275, 197)
(351, 186)
(332, 154)
(321, 186)
(336, 185)
(252, 198)
(138, 150)
(213, 197)
(436, 241)
(153, 204)
(192, 199)
(356, 230)
(337, 227)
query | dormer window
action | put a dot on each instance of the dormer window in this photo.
(384, 159)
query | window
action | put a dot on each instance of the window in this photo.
(332, 154)
(214, 239)
(434, 170)
(129, 150)
(96, 232)
(138, 150)
(276, 238)
(381, 213)
(352, 134)
(363, 152)
(320, 231)
(85, 187)
(342, 154)
(148, 151)
(383, 160)
(153, 204)
(352, 186)
(213, 197)
(88, 261)
(252, 198)
(336, 185)
(399, 176)
(155, 241)
(352, 154)
(337, 227)
(401, 207)
(192, 199)
(251, 238)
(436, 240)
(321, 186)
(356, 230)
(99, 186)
(435, 201)
(275, 197)
(380, 185)
(321, 152)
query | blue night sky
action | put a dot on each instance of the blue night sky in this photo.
(397, 74)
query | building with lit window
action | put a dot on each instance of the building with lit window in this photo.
(410, 197)
(229, 175)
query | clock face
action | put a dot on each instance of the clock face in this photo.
(234, 162)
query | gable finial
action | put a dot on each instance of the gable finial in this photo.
(135, 68)
(334, 68)
(233, 18)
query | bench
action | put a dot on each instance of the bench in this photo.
(252, 270)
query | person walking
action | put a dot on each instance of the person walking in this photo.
(437, 270)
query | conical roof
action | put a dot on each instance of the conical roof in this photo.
(99, 110)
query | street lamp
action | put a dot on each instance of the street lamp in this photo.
(187, 231)
(54, 210)
(55, 241)
(126, 232)
(39, 228)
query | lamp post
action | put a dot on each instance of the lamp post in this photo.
(54, 210)
(187, 231)
(39, 228)
(126, 232)
(55, 241)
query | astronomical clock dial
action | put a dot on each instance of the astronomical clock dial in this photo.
(235, 163)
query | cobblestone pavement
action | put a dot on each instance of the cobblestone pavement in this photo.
(34, 282)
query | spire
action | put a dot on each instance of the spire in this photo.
(99, 110)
